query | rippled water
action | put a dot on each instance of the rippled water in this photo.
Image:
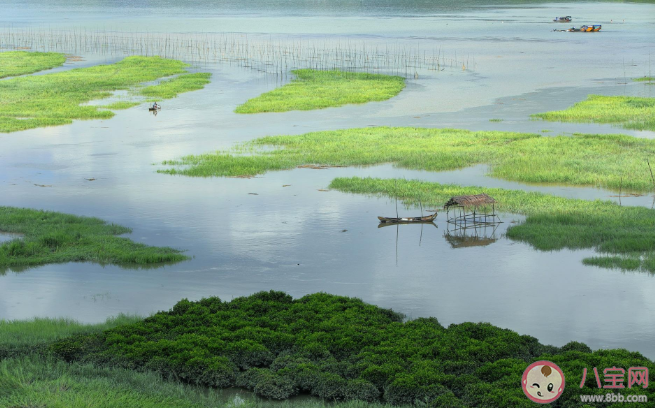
(254, 234)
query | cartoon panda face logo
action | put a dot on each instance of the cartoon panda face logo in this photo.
(543, 382)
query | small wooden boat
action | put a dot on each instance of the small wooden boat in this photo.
(408, 220)
(154, 109)
(566, 19)
(586, 28)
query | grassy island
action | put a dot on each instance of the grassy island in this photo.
(172, 87)
(316, 89)
(52, 237)
(611, 161)
(14, 63)
(627, 111)
(56, 99)
(333, 347)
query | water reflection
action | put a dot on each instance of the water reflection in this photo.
(472, 236)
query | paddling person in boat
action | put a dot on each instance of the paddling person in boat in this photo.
(155, 106)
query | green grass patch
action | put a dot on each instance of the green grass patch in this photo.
(608, 161)
(644, 79)
(495, 120)
(52, 237)
(624, 235)
(13, 63)
(38, 381)
(340, 348)
(18, 337)
(121, 105)
(56, 99)
(172, 87)
(316, 89)
(627, 111)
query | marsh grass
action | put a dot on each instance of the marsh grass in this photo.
(628, 111)
(52, 237)
(624, 236)
(43, 381)
(316, 89)
(13, 63)
(56, 99)
(24, 336)
(121, 105)
(172, 87)
(644, 79)
(612, 161)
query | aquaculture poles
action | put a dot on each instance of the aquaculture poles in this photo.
(271, 56)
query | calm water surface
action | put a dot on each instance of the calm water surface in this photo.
(247, 235)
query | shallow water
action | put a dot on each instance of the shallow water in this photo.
(254, 234)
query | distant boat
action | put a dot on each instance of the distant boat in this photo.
(408, 220)
(586, 28)
(566, 19)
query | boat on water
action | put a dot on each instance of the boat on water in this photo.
(408, 220)
(586, 28)
(566, 19)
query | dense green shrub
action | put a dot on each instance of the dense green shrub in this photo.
(339, 348)
(362, 390)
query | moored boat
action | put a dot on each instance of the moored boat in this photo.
(407, 220)
(566, 19)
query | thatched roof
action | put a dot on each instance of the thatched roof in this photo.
(470, 200)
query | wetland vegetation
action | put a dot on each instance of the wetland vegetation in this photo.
(624, 236)
(332, 347)
(170, 88)
(13, 63)
(317, 89)
(611, 161)
(56, 99)
(121, 105)
(628, 111)
(52, 237)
